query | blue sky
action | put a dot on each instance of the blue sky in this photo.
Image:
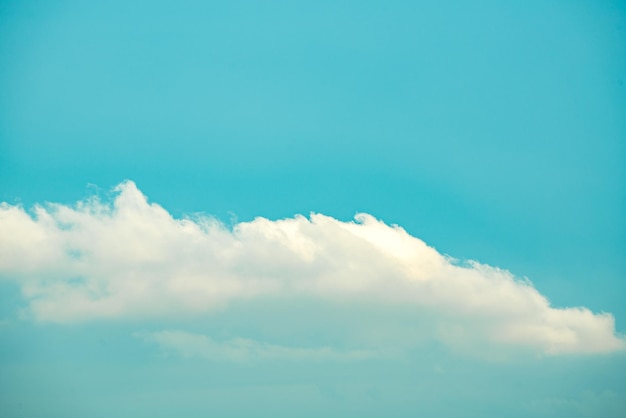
(491, 132)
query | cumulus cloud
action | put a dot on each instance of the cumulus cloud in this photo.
(131, 259)
(240, 350)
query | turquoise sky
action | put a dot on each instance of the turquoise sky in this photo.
(493, 132)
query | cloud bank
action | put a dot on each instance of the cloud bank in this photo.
(131, 259)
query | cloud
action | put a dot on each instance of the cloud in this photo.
(239, 350)
(131, 259)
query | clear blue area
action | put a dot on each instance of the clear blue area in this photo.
(493, 130)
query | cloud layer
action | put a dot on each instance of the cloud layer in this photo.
(131, 259)
(242, 350)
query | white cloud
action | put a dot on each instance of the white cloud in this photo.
(190, 345)
(130, 258)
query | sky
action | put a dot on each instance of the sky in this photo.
(312, 209)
